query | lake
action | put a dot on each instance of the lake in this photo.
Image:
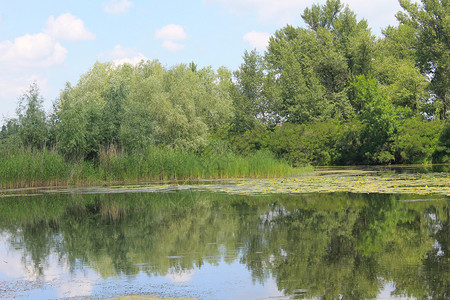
(334, 234)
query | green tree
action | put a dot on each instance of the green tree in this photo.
(115, 94)
(396, 69)
(417, 140)
(442, 153)
(139, 124)
(175, 107)
(351, 37)
(9, 137)
(430, 22)
(314, 67)
(292, 61)
(402, 83)
(32, 129)
(322, 16)
(380, 119)
(251, 104)
(307, 143)
(81, 115)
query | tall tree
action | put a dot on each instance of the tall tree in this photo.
(32, 125)
(322, 16)
(380, 119)
(431, 23)
(395, 68)
(291, 58)
(313, 66)
(253, 99)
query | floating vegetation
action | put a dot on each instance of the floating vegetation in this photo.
(347, 182)
(421, 184)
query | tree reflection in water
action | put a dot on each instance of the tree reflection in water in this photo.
(318, 245)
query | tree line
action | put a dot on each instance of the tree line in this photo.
(327, 93)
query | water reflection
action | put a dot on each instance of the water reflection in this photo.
(304, 246)
(399, 169)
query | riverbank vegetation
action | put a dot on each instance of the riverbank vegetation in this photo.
(34, 168)
(330, 93)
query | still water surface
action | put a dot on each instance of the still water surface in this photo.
(207, 245)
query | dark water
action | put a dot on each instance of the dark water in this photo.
(399, 169)
(217, 246)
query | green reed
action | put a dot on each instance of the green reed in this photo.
(31, 168)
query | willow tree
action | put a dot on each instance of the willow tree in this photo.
(137, 106)
(91, 112)
(176, 107)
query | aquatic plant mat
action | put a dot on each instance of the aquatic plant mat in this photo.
(327, 181)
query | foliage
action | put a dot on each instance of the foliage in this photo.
(395, 68)
(254, 95)
(90, 113)
(304, 144)
(442, 153)
(32, 127)
(327, 93)
(430, 23)
(380, 119)
(9, 137)
(139, 106)
(310, 74)
(417, 140)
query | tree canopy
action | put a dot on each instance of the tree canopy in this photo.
(367, 91)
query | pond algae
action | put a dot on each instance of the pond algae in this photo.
(421, 184)
(349, 181)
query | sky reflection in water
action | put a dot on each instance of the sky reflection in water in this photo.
(218, 246)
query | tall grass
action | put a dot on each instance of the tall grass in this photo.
(26, 167)
(170, 164)
(31, 168)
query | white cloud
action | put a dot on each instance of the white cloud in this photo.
(280, 11)
(80, 285)
(23, 61)
(379, 14)
(120, 55)
(172, 46)
(134, 60)
(68, 27)
(171, 32)
(28, 58)
(116, 7)
(32, 50)
(258, 40)
(180, 276)
(56, 271)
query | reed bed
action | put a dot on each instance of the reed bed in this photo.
(33, 168)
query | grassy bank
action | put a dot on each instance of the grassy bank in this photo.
(28, 168)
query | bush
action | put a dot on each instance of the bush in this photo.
(417, 141)
(307, 144)
(442, 152)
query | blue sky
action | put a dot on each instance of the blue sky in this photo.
(52, 42)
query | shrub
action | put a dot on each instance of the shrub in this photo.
(417, 141)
